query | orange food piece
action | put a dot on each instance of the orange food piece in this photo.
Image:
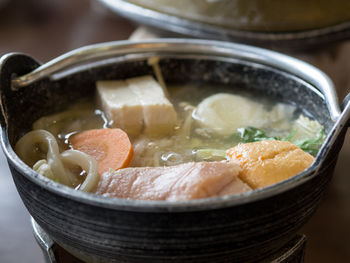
(268, 162)
(111, 148)
(185, 181)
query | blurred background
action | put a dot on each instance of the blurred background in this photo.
(47, 28)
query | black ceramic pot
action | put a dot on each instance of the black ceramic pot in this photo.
(239, 228)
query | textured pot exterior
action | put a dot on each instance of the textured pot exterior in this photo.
(231, 229)
(218, 235)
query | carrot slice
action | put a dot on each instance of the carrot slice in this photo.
(110, 147)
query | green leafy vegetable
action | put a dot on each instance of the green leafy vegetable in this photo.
(310, 145)
(289, 136)
(252, 134)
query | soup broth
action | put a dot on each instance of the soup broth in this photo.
(189, 141)
(210, 121)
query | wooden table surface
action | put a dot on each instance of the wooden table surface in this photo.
(46, 29)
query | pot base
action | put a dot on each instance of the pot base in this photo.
(292, 252)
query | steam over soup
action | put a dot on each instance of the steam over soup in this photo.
(141, 140)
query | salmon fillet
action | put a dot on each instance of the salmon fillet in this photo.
(174, 183)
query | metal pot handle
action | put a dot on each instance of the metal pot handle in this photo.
(335, 138)
(99, 51)
(12, 65)
(104, 51)
(345, 115)
(345, 102)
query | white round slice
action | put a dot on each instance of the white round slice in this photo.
(224, 113)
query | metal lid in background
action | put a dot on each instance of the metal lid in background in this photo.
(292, 25)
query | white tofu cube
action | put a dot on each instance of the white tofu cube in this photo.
(121, 105)
(159, 114)
(137, 105)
